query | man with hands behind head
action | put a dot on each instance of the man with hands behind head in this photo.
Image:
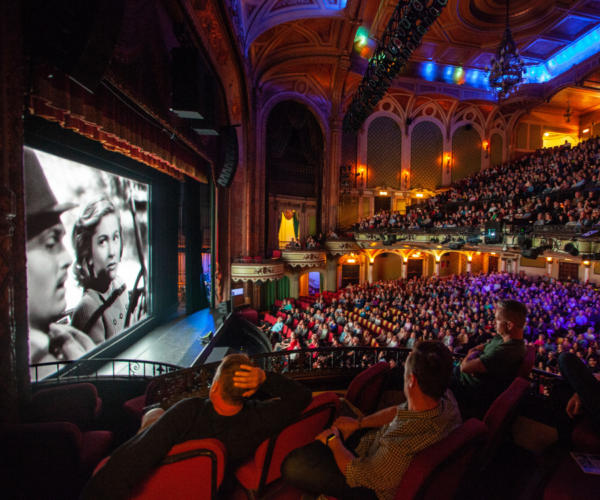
(365, 459)
(240, 424)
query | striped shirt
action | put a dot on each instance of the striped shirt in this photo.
(385, 454)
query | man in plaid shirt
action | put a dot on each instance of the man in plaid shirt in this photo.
(384, 443)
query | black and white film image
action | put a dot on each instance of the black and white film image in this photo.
(87, 256)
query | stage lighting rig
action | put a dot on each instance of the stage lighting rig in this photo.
(410, 21)
(446, 240)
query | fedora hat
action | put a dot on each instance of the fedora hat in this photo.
(41, 206)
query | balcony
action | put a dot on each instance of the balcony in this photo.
(341, 247)
(252, 270)
(304, 258)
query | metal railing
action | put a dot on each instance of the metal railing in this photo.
(88, 369)
(251, 260)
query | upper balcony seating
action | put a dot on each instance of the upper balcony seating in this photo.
(511, 187)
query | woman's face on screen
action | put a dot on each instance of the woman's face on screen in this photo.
(106, 247)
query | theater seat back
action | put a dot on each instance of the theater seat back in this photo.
(192, 470)
(437, 472)
(527, 364)
(264, 467)
(500, 417)
(365, 390)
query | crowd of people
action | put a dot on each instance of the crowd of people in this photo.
(458, 311)
(523, 191)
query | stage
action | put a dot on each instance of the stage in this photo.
(177, 341)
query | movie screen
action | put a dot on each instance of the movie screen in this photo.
(87, 256)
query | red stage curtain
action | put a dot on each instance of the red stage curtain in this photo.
(103, 117)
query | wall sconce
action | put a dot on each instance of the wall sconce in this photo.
(478, 253)
(586, 263)
(361, 171)
(486, 146)
(469, 258)
(448, 157)
(549, 259)
(406, 179)
(351, 261)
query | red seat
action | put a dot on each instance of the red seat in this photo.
(247, 259)
(527, 364)
(264, 467)
(340, 329)
(49, 460)
(365, 390)
(78, 404)
(257, 260)
(295, 323)
(191, 470)
(134, 408)
(437, 472)
(500, 417)
(276, 254)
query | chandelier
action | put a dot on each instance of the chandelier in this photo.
(508, 68)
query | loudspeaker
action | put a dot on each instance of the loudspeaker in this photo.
(468, 127)
(224, 307)
(193, 93)
(409, 122)
(455, 246)
(571, 249)
(76, 36)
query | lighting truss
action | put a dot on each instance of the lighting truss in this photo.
(402, 36)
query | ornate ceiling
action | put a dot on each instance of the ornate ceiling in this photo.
(320, 47)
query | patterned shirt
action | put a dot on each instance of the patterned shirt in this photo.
(385, 454)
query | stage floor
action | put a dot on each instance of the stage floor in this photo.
(177, 340)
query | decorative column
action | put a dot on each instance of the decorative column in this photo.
(370, 272)
(503, 264)
(14, 345)
(586, 271)
(332, 268)
(549, 267)
(332, 194)
(469, 262)
(295, 285)
(255, 188)
(404, 268)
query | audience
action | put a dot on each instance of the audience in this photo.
(522, 191)
(239, 423)
(365, 458)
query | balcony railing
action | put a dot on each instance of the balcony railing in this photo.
(87, 369)
(304, 258)
(248, 269)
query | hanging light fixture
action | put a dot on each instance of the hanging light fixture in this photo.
(508, 67)
(569, 112)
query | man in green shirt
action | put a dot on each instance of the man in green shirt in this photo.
(489, 369)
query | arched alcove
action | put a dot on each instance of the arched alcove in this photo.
(387, 266)
(466, 152)
(384, 153)
(427, 145)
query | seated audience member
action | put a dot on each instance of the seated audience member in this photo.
(584, 383)
(490, 368)
(366, 458)
(240, 424)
